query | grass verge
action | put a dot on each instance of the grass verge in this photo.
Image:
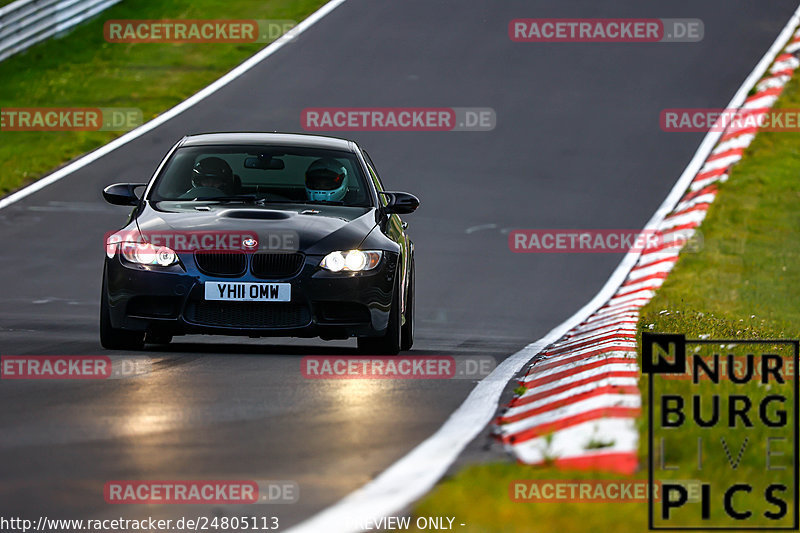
(744, 284)
(81, 69)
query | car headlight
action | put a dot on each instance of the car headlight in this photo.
(143, 253)
(351, 260)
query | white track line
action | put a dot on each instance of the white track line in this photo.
(413, 475)
(172, 113)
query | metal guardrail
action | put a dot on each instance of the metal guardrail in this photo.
(26, 22)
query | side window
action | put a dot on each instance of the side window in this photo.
(375, 178)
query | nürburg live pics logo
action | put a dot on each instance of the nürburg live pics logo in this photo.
(722, 433)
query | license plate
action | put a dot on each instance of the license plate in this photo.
(248, 292)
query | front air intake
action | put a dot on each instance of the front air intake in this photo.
(222, 264)
(276, 265)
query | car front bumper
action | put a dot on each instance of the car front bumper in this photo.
(171, 300)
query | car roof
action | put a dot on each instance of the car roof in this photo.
(276, 139)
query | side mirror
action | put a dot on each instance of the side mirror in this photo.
(122, 193)
(400, 203)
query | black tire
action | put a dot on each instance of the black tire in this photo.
(408, 327)
(389, 343)
(157, 338)
(112, 338)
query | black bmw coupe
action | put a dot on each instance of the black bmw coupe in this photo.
(260, 234)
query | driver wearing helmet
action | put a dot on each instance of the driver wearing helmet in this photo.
(211, 176)
(326, 180)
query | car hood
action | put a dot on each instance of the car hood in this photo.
(318, 229)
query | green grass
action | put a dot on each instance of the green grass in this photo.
(81, 69)
(744, 284)
(478, 496)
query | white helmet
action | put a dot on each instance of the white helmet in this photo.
(326, 180)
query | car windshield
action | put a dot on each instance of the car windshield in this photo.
(262, 174)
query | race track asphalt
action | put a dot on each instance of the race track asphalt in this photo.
(577, 145)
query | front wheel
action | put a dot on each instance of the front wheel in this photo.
(157, 338)
(112, 338)
(408, 326)
(390, 342)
